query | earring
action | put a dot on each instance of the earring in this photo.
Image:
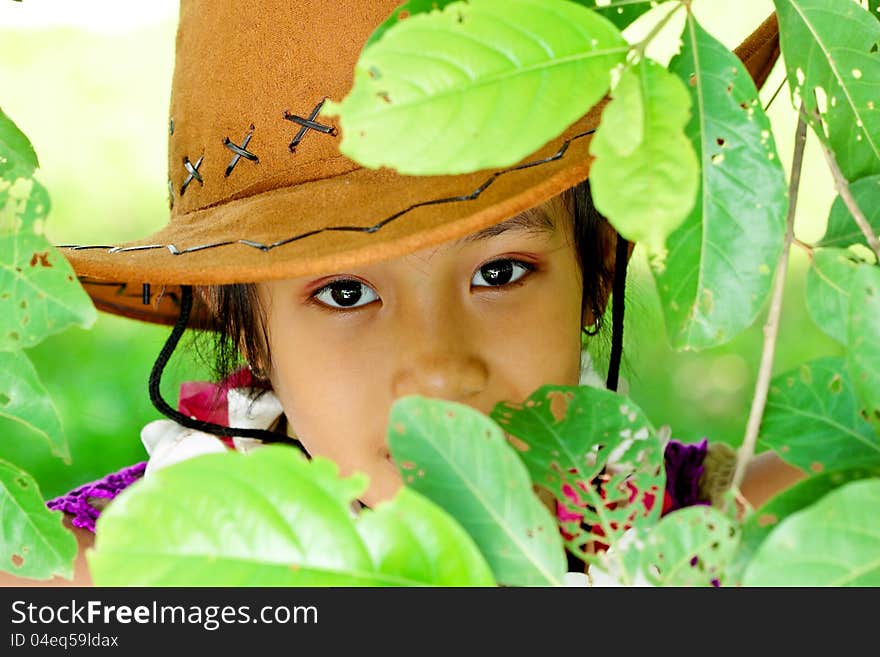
(593, 329)
(257, 372)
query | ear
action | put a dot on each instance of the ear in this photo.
(609, 238)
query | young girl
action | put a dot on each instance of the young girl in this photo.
(344, 288)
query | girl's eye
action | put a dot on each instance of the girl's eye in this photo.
(501, 272)
(345, 293)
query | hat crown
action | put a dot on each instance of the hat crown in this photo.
(249, 80)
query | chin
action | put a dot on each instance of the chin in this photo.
(385, 482)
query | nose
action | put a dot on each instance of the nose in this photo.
(439, 360)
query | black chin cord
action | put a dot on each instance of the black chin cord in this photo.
(186, 303)
(620, 262)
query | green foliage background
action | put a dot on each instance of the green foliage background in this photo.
(94, 103)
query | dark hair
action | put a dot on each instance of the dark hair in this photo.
(238, 324)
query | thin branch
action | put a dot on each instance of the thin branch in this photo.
(842, 186)
(640, 47)
(809, 248)
(771, 327)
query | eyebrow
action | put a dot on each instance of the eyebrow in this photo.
(533, 220)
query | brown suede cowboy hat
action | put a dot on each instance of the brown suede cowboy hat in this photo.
(258, 188)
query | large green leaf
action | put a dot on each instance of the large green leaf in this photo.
(39, 292)
(719, 269)
(842, 229)
(24, 399)
(480, 84)
(17, 156)
(833, 67)
(272, 518)
(458, 458)
(567, 436)
(863, 344)
(758, 525)
(645, 175)
(689, 547)
(813, 420)
(33, 541)
(827, 289)
(834, 542)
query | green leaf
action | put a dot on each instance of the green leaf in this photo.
(842, 229)
(459, 459)
(24, 399)
(834, 542)
(39, 292)
(417, 540)
(24, 205)
(17, 156)
(645, 175)
(863, 344)
(689, 547)
(833, 67)
(827, 290)
(272, 518)
(567, 436)
(426, 97)
(33, 541)
(718, 271)
(758, 525)
(813, 420)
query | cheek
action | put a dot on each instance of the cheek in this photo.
(323, 391)
(544, 336)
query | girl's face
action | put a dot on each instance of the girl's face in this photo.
(484, 319)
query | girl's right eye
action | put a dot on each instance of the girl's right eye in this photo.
(345, 294)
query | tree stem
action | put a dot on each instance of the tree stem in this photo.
(771, 327)
(842, 186)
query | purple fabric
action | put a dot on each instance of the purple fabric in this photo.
(684, 467)
(80, 503)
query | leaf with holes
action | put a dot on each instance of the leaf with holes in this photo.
(458, 458)
(719, 268)
(17, 156)
(426, 97)
(39, 292)
(566, 436)
(813, 419)
(24, 399)
(828, 287)
(33, 541)
(758, 525)
(833, 67)
(842, 229)
(834, 542)
(689, 547)
(645, 175)
(273, 518)
(863, 343)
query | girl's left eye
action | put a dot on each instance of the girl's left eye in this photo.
(501, 272)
